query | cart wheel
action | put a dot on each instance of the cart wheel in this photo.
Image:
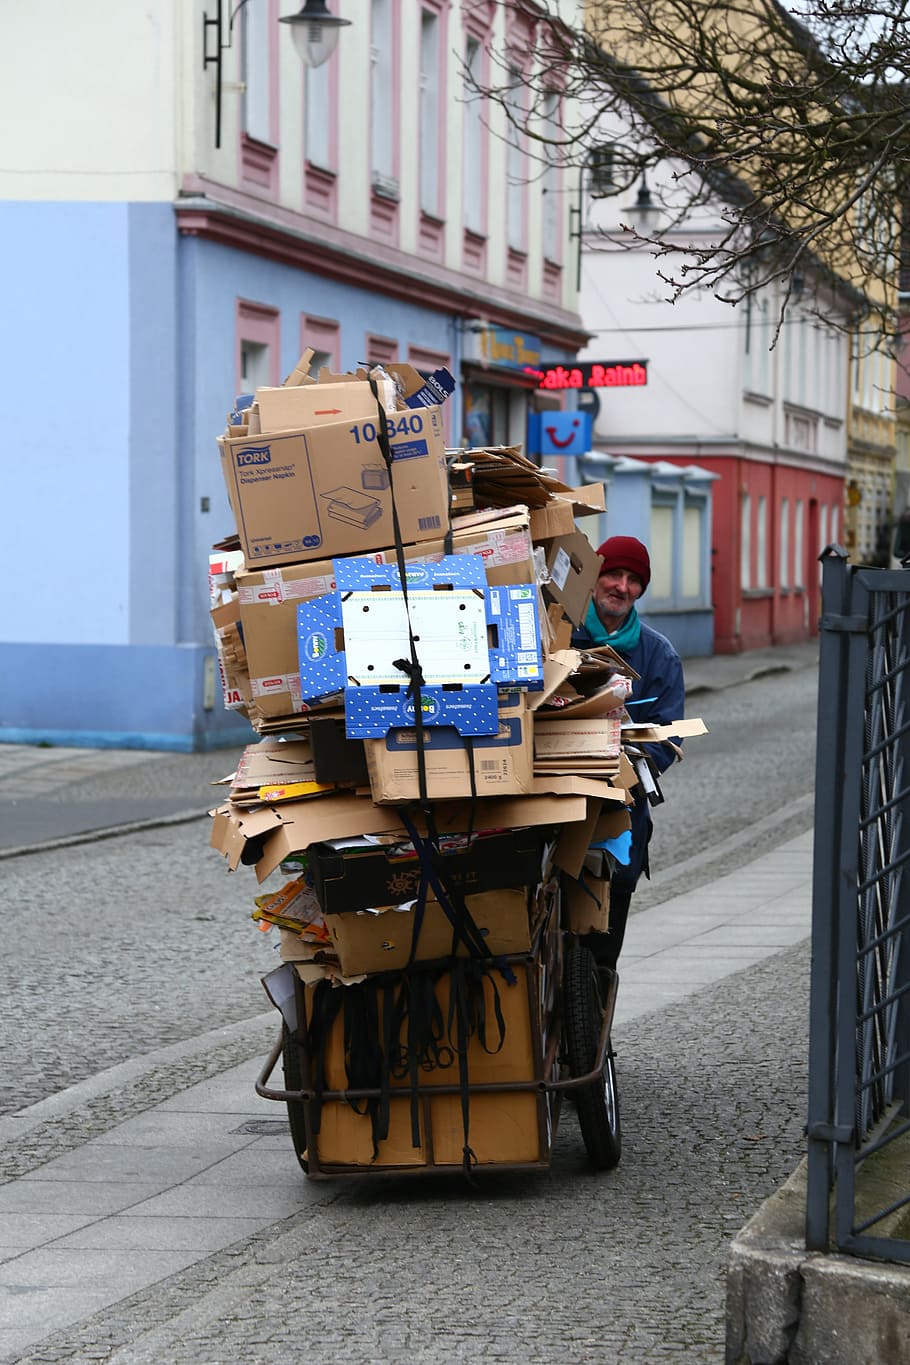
(293, 1080)
(597, 1103)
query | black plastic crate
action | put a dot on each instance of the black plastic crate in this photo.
(357, 879)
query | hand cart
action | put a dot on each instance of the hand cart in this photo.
(465, 1105)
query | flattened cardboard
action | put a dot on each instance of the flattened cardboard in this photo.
(555, 518)
(562, 738)
(574, 840)
(270, 835)
(674, 729)
(345, 1137)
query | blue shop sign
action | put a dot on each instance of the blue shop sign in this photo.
(508, 349)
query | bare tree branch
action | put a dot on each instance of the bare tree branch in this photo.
(792, 126)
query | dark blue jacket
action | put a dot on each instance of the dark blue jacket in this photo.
(661, 677)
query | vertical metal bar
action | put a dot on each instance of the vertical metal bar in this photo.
(218, 79)
(823, 991)
(851, 785)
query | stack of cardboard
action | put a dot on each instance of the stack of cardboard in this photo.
(431, 749)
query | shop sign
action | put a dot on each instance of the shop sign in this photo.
(508, 349)
(595, 374)
(559, 433)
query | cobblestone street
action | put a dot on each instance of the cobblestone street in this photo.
(621, 1267)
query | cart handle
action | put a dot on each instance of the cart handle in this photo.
(267, 1092)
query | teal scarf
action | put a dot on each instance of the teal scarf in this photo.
(625, 638)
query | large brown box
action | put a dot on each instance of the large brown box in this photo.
(326, 491)
(505, 1127)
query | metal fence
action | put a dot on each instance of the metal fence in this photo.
(858, 1197)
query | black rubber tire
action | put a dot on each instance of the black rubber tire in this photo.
(293, 1080)
(597, 1104)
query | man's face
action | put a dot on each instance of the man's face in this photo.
(615, 593)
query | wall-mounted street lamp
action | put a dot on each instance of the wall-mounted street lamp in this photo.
(644, 212)
(314, 30)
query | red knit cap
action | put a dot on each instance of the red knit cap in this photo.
(625, 552)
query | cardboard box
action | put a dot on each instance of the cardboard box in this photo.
(322, 492)
(503, 764)
(503, 1128)
(503, 542)
(573, 568)
(268, 601)
(382, 942)
(357, 879)
(292, 407)
(472, 638)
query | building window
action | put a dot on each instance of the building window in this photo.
(662, 518)
(745, 542)
(757, 342)
(486, 415)
(383, 159)
(551, 187)
(798, 545)
(601, 164)
(823, 540)
(258, 333)
(384, 113)
(693, 550)
(784, 574)
(381, 350)
(431, 87)
(323, 336)
(761, 545)
(259, 105)
(257, 28)
(516, 175)
(317, 96)
(474, 135)
(801, 432)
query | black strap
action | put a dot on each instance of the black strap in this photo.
(451, 901)
(363, 1054)
(326, 1006)
(410, 667)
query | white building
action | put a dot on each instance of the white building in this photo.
(700, 382)
(363, 208)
